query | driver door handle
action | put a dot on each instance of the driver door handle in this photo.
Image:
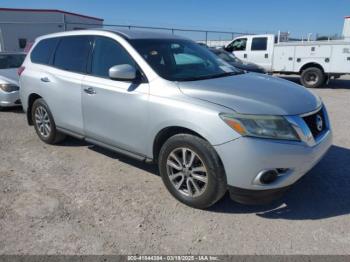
(89, 90)
(45, 79)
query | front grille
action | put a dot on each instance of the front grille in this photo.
(316, 123)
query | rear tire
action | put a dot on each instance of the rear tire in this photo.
(312, 77)
(44, 123)
(192, 171)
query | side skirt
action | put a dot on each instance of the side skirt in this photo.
(104, 145)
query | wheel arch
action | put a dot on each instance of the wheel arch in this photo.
(167, 132)
(31, 99)
(311, 64)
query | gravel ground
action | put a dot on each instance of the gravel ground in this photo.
(76, 198)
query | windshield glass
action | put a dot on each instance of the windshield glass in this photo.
(11, 60)
(182, 60)
(227, 57)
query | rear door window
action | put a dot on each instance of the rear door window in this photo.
(43, 50)
(72, 53)
(259, 44)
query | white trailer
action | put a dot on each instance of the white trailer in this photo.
(314, 61)
(346, 29)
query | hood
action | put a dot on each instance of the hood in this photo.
(252, 93)
(9, 76)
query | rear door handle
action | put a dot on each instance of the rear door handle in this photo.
(245, 55)
(89, 91)
(45, 79)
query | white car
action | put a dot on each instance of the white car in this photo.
(9, 85)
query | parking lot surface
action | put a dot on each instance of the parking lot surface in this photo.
(75, 198)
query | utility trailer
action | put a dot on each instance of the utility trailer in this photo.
(315, 61)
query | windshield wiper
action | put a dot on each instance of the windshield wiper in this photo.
(225, 74)
(211, 76)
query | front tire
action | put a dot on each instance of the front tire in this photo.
(192, 171)
(44, 123)
(312, 77)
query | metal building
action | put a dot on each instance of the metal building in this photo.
(21, 26)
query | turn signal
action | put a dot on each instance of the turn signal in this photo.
(236, 125)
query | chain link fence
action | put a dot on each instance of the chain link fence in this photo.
(15, 36)
(208, 37)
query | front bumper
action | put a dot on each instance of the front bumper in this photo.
(9, 99)
(255, 197)
(244, 158)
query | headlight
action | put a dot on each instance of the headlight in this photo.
(9, 87)
(273, 127)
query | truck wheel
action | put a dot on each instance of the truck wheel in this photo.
(44, 123)
(192, 171)
(312, 77)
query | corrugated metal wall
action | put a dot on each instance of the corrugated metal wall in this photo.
(28, 25)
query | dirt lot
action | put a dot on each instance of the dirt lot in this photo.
(76, 198)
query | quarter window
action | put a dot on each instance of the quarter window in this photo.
(259, 44)
(107, 53)
(43, 50)
(72, 53)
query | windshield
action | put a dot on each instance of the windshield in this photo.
(226, 56)
(11, 60)
(182, 60)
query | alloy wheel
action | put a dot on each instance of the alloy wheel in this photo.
(42, 121)
(187, 172)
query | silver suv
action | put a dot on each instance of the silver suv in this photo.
(157, 97)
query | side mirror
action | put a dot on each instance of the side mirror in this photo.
(123, 72)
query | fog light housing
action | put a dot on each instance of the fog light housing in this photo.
(269, 176)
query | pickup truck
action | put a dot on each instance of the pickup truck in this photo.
(315, 61)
